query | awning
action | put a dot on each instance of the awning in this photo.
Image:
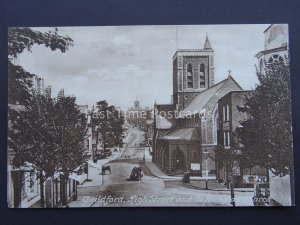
(188, 134)
(162, 122)
(79, 178)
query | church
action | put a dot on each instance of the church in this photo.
(185, 132)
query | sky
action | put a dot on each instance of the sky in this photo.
(120, 64)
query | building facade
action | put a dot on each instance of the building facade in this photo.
(275, 45)
(192, 128)
(228, 153)
(138, 116)
(193, 72)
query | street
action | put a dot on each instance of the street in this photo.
(117, 190)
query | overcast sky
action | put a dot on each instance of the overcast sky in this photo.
(120, 64)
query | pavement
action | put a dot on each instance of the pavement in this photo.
(155, 171)
(155, 189)
(94, 177)
(196, 181)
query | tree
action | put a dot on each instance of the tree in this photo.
(267, 133)
(109, 125)
(69, 138)
(48, 136)
(20, 90)
(20, 39)
(31, 139)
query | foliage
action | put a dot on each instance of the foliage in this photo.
(267, 133)
(20, 39)
(24, 38)
(48, 133)
(109, 125)
(71, 129)
(47, 136)
(19, 84)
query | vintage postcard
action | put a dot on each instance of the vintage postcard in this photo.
(140, 116)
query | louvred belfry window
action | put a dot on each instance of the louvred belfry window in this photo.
(202, 75)
(189, 76)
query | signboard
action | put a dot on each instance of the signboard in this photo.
(195, 166)
(236, 170)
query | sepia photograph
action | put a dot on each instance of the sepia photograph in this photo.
(149, 116)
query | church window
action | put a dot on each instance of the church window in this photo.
(189, 76)
(202, 75)
(275, 58)
(226, 139)
(226, 113)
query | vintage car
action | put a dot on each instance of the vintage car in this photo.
(186, 177)
(136, 173)
(105, 169)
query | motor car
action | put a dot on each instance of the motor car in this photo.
(136, 174)
(105, 169)
(186, 177)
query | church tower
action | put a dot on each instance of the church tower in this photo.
(193, 72)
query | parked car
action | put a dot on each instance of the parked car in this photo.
(136, 173)
(105, 169)
(186, 177)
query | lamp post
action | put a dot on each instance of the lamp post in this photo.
(235, 171)
(205, 156)
(86, 167)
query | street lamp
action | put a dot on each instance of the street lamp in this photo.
(235, 171)
(86, 167)
(205, 156)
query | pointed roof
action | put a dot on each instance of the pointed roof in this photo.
(198, 103)
(207, 43)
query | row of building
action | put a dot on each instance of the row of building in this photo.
(23, 184)
(203, 119)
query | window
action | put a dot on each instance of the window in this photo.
(226, 113)
(275, 58)
(226, 139)
(189, 76)
(202, 75)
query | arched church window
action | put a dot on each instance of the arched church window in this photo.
(189, 76)
(275, 58)
(202, 75)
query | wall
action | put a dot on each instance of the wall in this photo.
(280, 189)
(228, 86)
(276, 35)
